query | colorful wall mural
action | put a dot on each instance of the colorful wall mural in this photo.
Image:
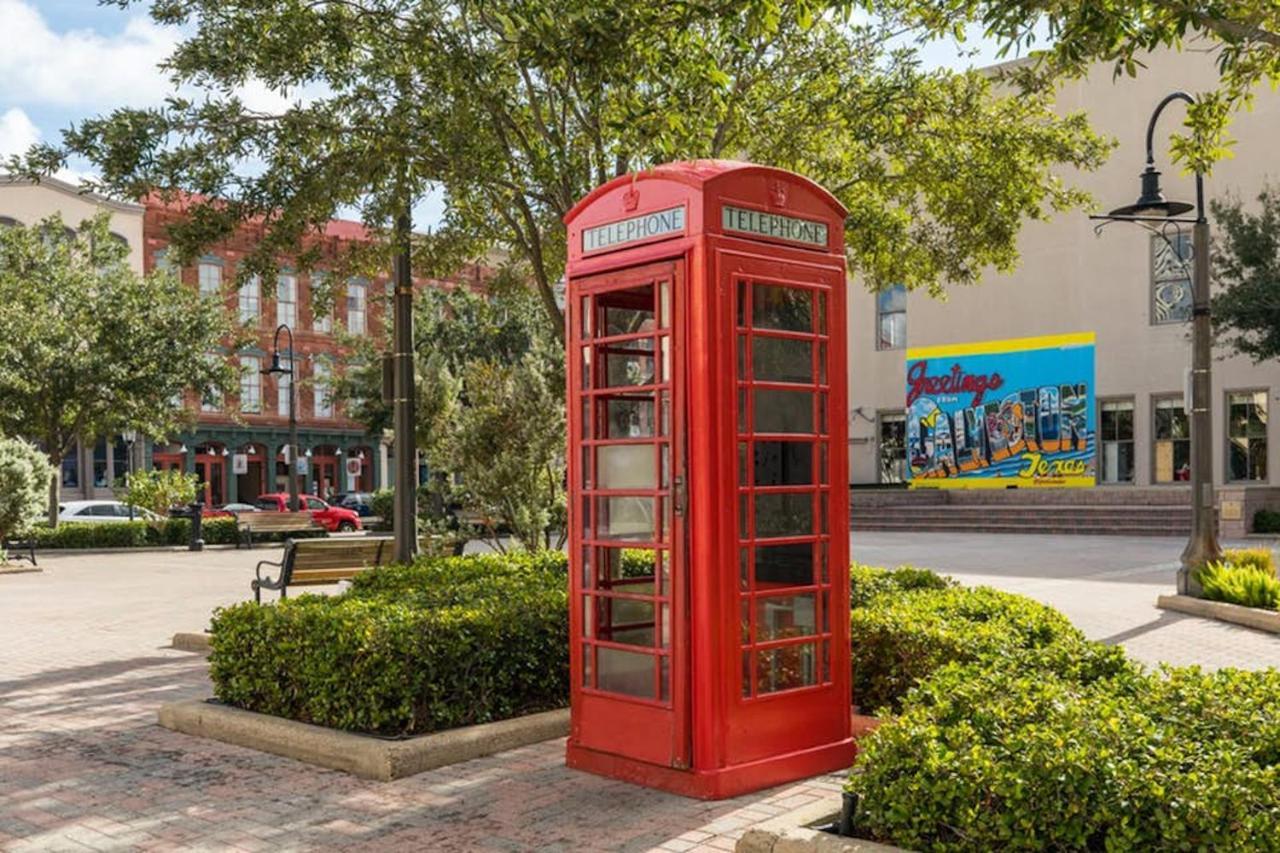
(997, 414)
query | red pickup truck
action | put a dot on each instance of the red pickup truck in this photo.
(334, 519)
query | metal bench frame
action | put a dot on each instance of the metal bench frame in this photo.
(15, 548)
(287, 562)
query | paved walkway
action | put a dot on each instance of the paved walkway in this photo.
(84, 666)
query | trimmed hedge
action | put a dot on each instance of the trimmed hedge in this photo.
(1013, 756)
(445, 642)
(897, 640)
(1266, 521)
(140, 534)
(867, 582)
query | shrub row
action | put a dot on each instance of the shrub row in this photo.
(140, 534)
(868, 582)
(1266, 521)
(445, 642)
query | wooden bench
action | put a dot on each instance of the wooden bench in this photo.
(312, 562)
(249, 523)
(21, 549)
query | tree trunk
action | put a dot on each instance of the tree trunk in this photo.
(55, 487)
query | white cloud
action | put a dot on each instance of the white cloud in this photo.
(81, 68)
(17, 132)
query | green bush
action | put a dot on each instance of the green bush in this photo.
(134, 534)
(1239, 584)
(897, 640)
(1266, 521)
(867, 582)
(442, 643)
(384, 504)
(1006, 756)
(24, 487)
(1255, 558)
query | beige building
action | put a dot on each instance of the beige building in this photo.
(91, 468)
(1125, 285)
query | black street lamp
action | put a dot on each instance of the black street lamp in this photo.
(1152, 207)
(277, 369)
(130, 436)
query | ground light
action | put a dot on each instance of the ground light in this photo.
(1152, 209)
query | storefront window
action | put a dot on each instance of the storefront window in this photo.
(1116, 431)
(1172, 431)
(1247, 435)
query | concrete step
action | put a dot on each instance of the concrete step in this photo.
(1019, 527)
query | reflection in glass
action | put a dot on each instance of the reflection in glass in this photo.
(628, 417)
(783, 463)
(625, 466)
(784, 565)
(785, 668)
(625, 620)
(781, 360)
(780, 617)
(627, 569)
(625, 518)
(630, 673)
(626, 312)
(785, 308)
(630, 366)
(783, 411)
(787, 514)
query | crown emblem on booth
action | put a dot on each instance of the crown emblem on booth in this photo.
(778, 193)
(631, 198)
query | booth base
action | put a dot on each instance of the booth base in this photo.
(720, 783)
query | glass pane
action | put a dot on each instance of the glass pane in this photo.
(784, 565)
(783, 411)
(743, 473)
(783, 463)
(627, 569)
(742, 357)
(822, 364)
(625, 620)
(742, 303)
(625, 518)
(586, 665)
(625, 466)
(781, 359)
(664, 672)
(785, 668)
(629, 365)
(786, 308)
(631, 673)
(664, 305)
(625, 312)
(628, 417)
(789, 514)
(584, 317)
(822, 313)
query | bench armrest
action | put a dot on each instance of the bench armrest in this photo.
(260, 582)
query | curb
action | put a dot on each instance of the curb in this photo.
(1249, 617)
(185, 641)
(794, 832)
(19, 570)
(360, 755)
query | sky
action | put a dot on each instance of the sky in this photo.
(66, 60)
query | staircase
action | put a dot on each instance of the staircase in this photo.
(1099, 511)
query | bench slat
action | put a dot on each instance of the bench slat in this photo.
(312, 577)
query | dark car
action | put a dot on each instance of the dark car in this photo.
(361, 503)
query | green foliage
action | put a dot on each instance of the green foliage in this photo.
(868, 582)
(1240, 584)
(384, 504)
(133, 534)
(89, 348)
(1003, 757)
(1266, 521)
(160, 491)
(25, 475)
(899, 639)
(517, 109)
(442, 643)
(1261, 559)
(1243, 36)
(1246, 270)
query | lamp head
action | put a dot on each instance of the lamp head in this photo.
(1151, 201)
(275, 364)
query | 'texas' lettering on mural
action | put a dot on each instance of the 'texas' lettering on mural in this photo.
(1002, 413)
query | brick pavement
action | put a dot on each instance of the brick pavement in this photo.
(83, 668)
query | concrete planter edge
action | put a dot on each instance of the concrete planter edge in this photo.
(360, 755)
(1249, 617)
(794, 832)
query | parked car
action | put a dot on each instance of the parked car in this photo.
(206, 512)
(236, 508)
(360, 503)
(334, 519)
(101, 512)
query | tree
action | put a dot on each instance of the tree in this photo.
(88, 348)
(159, 491)
(24, 482)
(1246, 261)
(1243, 35)
(516, 108)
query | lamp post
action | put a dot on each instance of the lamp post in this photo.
(277, 369)
(130, 436)
(1152, 207)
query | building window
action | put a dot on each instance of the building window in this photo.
(1116, 431)
(1171, 263)
(211, 398)
(251, 301)
(283, 383)
(250, 384)
(100, 480)
(287, 299)
(357, 292)
(1172, 441)
(892, 432)
(320, 387)
(71, 469)
(210, 276)
(1247, 435)
(320, 324)
(891, 318)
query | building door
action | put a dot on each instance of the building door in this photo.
(627, 530)
(324, 475)
(211, 471)
(892, 444)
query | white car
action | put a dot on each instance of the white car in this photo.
(100, 512)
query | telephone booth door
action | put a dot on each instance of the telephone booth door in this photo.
(630, 588)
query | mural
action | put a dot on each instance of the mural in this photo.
(1002, 413)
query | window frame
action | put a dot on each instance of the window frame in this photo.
(881, 346)
(883, 416)
(247, 298)
(1155, 399)
(362, 287)
(1099, 462)
(256, 376)
(322, 368)
(1227, 437)
(292, 278)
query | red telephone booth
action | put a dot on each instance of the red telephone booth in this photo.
(708, 465)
